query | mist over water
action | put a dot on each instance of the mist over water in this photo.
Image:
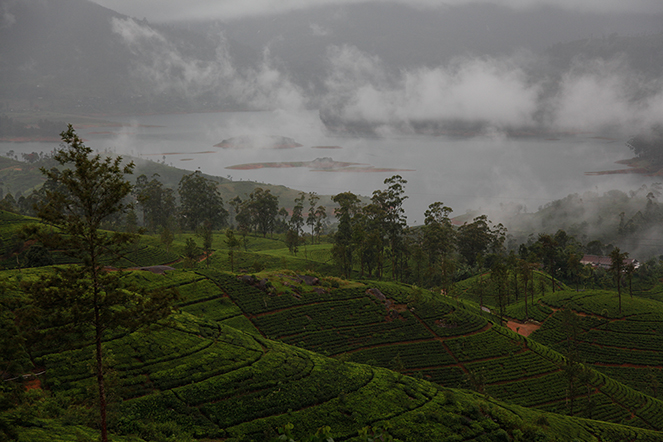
(481, 172)
(518, 92)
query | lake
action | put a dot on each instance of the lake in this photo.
(464, 173)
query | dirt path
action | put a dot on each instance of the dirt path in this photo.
(523, 329)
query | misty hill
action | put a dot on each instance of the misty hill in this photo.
(20, 178)
(66, 56)
(408, 37)
(76, 56)
(630, 220)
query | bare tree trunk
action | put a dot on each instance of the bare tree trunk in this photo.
(100, 379)
(98, 331)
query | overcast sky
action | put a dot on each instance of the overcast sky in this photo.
(169, 10)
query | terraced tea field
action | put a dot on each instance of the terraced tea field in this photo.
(194, 376)
(392, 326)
(628, 347)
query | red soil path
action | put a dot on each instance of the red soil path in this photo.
(32, 384)
(523, 329)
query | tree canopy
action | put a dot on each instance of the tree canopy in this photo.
(200, 201)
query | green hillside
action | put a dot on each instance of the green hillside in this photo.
(405, 329)
(198, 377)
(627, 347)
(244, 356)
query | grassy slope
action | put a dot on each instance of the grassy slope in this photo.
(147, 252)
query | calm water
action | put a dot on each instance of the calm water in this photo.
(464, 173)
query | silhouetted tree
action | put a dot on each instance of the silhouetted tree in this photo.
(200, 201)
(85, 192)
(617, 267)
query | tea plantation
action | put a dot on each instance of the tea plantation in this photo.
(244, 355)
(627, 347)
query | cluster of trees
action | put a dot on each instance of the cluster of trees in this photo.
(373, 241)
(375, 238)
(197, 205)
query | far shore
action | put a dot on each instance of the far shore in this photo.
(30, 139)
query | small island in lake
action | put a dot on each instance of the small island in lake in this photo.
(258, 142)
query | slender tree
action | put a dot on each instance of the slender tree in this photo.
(85, 298)
(499, 277)
(343, 248)
(629, 270)
(439, 235)
(232, 243)
(200, 201)
(526, 275)
(548, 252)
(191, 252)
(312, 218)
(617, 267)
(295, 230)
(206, 234)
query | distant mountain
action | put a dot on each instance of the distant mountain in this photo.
(405, 37)
(65, 56)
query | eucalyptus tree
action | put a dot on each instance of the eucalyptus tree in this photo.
(368, 238)
(265, 208)
(295, 225)
(548, 251)
(346, 213)
(311, 219)
(157, 202)
(200, 201)
(526, 271)
(478, 237)
(317, 216)
(499, 278)
(233, 244)
(85, 299)
(617, 268)
(259, 211)
(439, 239)
(206, 234)
(389, 214)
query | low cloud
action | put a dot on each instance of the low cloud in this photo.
(167, 69)
(593, 95)
(497, 93)
(318, 30)
(473, 90)
(601, 94)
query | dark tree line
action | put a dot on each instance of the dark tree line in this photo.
(374, 239)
